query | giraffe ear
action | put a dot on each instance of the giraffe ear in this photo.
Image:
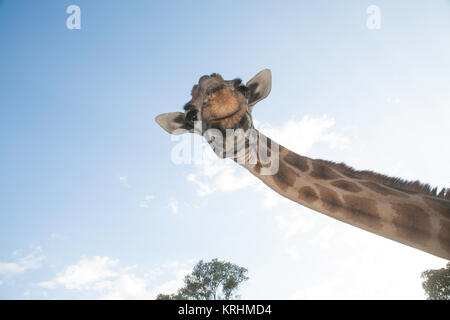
(259, 87)
(173, 123)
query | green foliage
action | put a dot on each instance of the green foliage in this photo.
(169, 297)
(214, 280)
(437, 283)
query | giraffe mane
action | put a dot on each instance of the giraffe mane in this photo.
(412, 187)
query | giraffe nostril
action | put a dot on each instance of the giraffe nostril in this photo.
(188, 106)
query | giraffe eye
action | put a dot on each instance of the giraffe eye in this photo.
(243, 89)
(237, 82)
(191, 116)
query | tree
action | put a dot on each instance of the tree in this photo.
(214, 280)
(172, 296)
(437, 283)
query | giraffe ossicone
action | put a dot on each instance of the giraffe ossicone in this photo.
(411, 213)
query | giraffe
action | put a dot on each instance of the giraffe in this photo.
(410, 213)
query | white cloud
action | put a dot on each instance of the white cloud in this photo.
(22, 262)
(148, 198)
(324, 237)
(177, 270)
(172, 286)
(124, 181)
(368, 267)
(86, 273)
(203, 188)
(106, 279)
(325, 290)
(386, 269)
(173, 205)
(301, 135)
(392, 100)
(297, 221)
(293, 252)
(127, 286)
(215, 174)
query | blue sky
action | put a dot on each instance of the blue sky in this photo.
(91, 205)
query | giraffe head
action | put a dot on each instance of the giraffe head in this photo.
(218, 104)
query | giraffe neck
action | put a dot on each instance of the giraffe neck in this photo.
(415, 219)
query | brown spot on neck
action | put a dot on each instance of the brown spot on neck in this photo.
(355, 210)
(329, 198)
(346, 185)
(412, 222)
(299, 162)
(308, 195)
(285, 177)
(323, 172)
(362, 211)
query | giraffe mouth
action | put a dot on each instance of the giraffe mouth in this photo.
(226, 116)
